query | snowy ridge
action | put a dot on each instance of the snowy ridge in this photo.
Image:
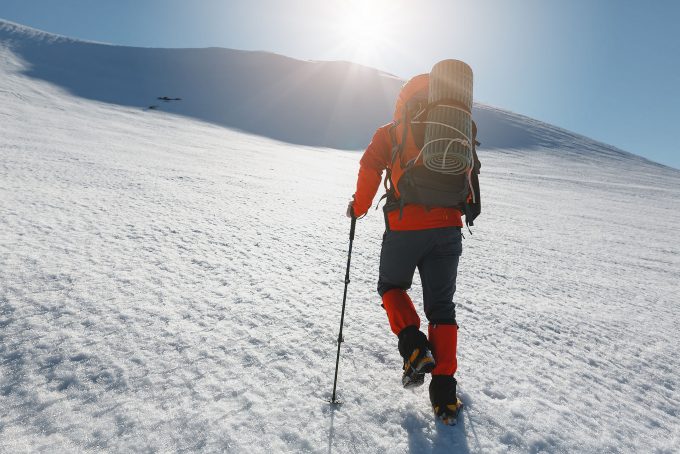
(167, 284)
(11, 32)
(331, 104)
(503, 129)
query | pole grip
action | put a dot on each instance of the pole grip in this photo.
(353, 227)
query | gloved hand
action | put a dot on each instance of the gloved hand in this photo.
(350, 209)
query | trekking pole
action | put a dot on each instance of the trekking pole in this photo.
(344, 300)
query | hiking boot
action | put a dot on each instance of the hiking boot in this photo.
(420, 363)
(448, 414)
(418, 359)
(445, 404)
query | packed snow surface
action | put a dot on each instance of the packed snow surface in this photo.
(168, 284)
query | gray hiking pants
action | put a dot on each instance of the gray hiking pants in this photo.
(435, 252)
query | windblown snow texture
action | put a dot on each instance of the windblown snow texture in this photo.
(167, 284)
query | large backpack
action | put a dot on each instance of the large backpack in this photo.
(408, 180)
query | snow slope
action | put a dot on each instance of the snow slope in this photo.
(167, 284)
(330, 104)
(310, 103)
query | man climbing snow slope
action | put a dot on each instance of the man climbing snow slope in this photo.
(419, 236)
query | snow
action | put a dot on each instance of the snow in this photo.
(169, 284)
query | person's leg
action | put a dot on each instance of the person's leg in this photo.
(401, 251)
(438, 270)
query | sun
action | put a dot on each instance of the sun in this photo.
(365, 29)
(361, 27)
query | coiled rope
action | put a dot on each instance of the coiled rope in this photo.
(443, 160)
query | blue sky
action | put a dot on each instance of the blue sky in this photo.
(608, 69)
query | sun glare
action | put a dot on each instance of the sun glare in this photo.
(365, 28)
(361, 27)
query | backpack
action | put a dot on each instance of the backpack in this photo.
(409, 180)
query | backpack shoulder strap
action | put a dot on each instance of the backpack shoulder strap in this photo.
(398, 147)
(393, 138)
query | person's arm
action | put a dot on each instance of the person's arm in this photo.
(372, 164)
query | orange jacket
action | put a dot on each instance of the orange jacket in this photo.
(377, 158)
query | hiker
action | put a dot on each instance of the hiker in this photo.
(417, 236)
